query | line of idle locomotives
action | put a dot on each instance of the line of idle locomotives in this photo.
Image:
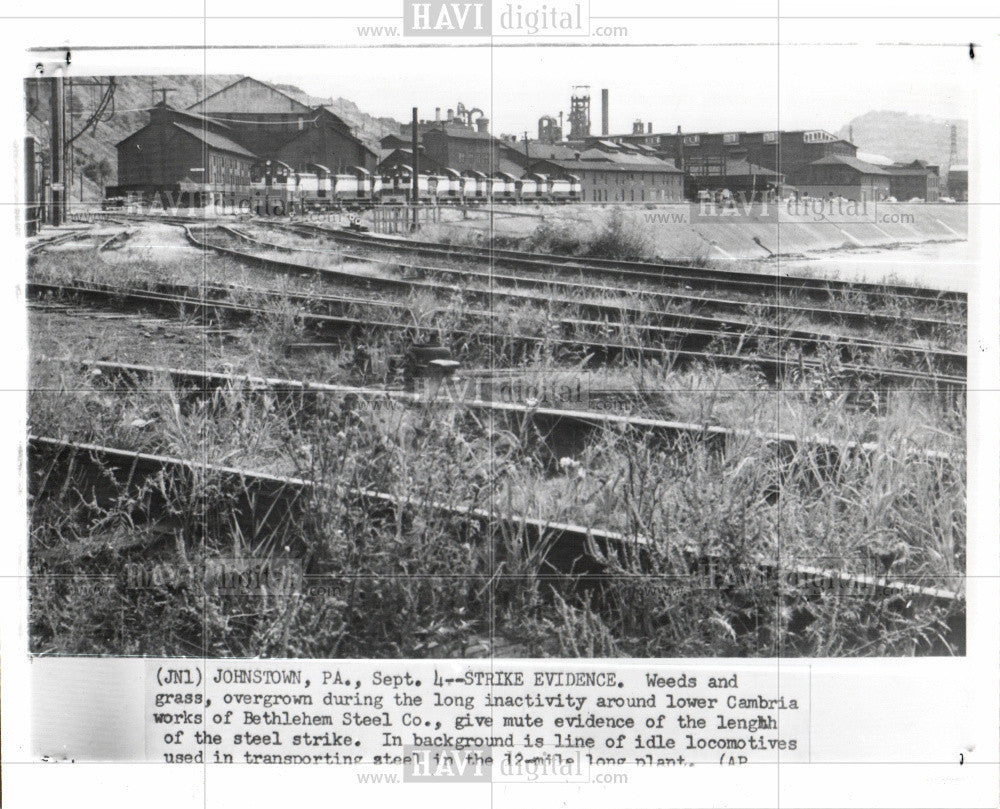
(276, 188)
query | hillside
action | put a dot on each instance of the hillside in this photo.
(904, 136)
(133, 97)
(367, 127)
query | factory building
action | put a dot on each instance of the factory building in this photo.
(458, 120)
(711, 154)
(847, 177)
(617, 178)
(274, 125)
(524, 153)
(205, 153)
(916, 180)
(400, 160)
(462, 149)
(182, 159)
(738, 176)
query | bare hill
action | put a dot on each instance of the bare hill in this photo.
(93, 153)
(904, 136)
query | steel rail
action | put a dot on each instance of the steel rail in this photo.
(547, 419)
(595, 349)
(268, 499)
(512, 288)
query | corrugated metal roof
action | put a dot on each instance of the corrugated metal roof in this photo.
(625, 164)
(214, 141)
(458, 132)
(852, 162)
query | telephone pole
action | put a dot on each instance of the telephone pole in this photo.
(415, 194)
(57, 148)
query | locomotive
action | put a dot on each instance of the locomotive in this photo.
(277, 189)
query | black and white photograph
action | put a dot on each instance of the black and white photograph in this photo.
(506, 354)
(487, 403)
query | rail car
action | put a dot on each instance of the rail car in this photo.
(276, 189)
(272, 188)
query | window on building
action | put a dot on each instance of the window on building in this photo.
(817, 136)
(731, 137)
(692, 140)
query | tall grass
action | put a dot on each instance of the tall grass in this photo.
(414, 581)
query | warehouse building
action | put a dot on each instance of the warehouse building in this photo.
(524, 153)
(203, 155)
(847, 177)
(916, 180)
(785, 153)
(462, 149)
(275, 126)
(182, 159)
(401, 160)
(618, 178)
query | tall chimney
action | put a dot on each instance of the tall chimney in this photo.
(649, 127)
(437, 113)
(604, 111)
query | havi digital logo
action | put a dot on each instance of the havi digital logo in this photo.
(439, 18)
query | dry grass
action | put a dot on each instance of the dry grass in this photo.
(416, 582)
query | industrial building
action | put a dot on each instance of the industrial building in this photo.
(787, 154)
(847, 177)
(462, 150)
(182, 159)
(460, 140)
(524, 153)
(607, 177)
(203, 155)
(273, 125)
(915, 180)
(394, 161)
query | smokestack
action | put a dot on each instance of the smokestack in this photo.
(437, 113)
(649, 127)
(483, 124)
(451, 115)
(604, 111)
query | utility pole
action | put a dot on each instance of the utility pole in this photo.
(527, 156)
(415, 194)
(163, 94)
(57, 149)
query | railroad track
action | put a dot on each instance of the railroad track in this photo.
(513, 287)
(598, 347)
(548, 421)
(266, 505)
(52, 241)
(648, 272)
(689, 341)
(757, 284)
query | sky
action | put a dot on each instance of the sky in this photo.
(699, 88)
